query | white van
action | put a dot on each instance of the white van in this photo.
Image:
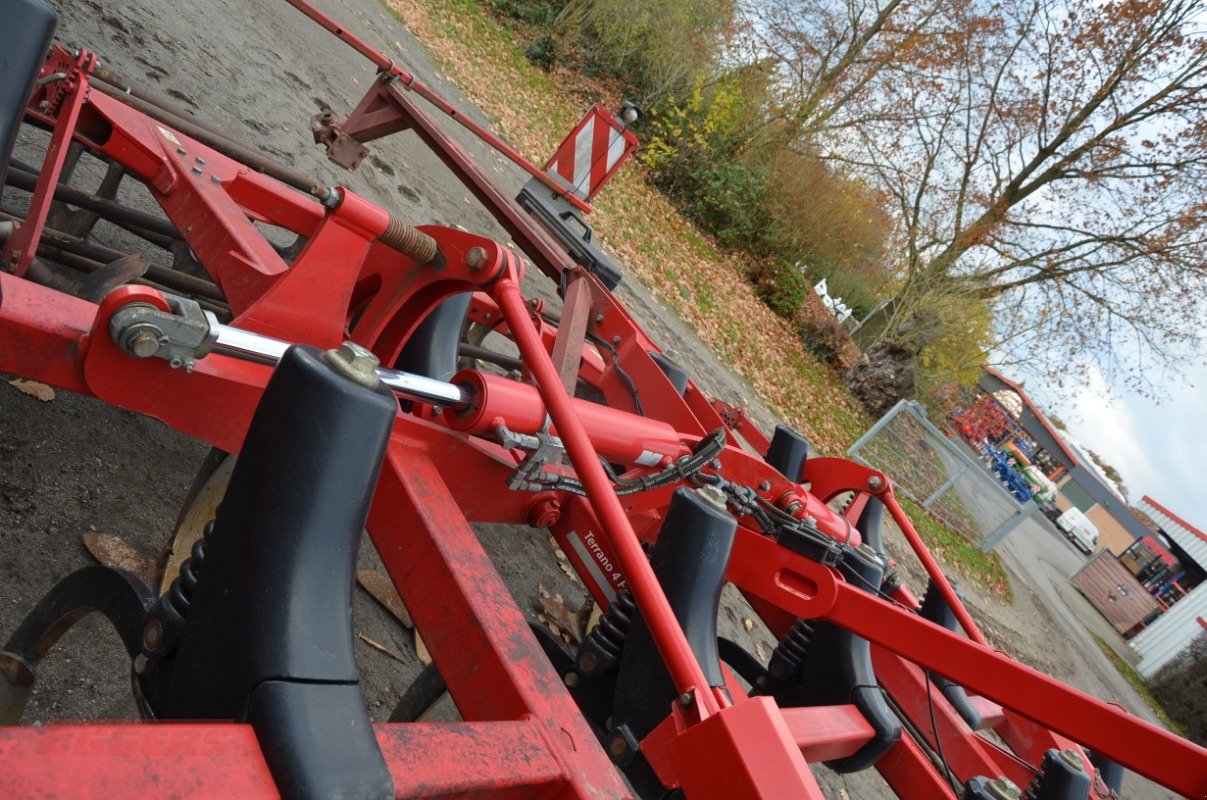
(1078, 528)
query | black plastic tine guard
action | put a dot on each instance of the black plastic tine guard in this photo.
(788, 452)
(690, 559)
(869, 524)
(268, 637)
(936, 609)
(24, 36)
(432, 348)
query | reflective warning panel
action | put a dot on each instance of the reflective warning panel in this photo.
(590, 155)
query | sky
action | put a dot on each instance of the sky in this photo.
(1158, 445)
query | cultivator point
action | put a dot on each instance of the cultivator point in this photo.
(354, 375)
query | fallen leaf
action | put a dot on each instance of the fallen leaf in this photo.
(381, 648)
(381, 589)
(748, 622)
(38, 391)
(842, 794)
(111, 550)
(560, 619)
(760, 652)
(570, 573)
(593, 613)
(421, 649)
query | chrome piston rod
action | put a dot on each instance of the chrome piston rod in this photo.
(248, 346)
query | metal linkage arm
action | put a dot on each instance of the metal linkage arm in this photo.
(408, 80)
(144, 331)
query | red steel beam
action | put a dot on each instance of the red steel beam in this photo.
(967, 754)
(1138, 745)
(744, 751)
(824, 733)
(809, 590)
(909, 772)
(991, 713)
(504, 760)
(21, 247)
(42, 333)
(479, 639)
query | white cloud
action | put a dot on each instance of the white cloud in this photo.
(1159, 449)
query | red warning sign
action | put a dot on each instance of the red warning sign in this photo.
(592, 152)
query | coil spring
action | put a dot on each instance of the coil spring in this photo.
(409, 241)
(789, 655)
(180, 594)
(610, 632)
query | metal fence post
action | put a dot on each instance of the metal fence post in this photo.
(877, 427)
(950, 482)
(1002, 531)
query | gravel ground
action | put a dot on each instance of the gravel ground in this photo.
(258, 70)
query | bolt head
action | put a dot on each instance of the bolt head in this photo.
(142, 343)
(765, 486)
(686, 699)
(618, 746)
(475, 259)
(355, 363)
(1003, 789)
(875, 482)
(571, 679)
(545, 513)
(587, 662)
(152, 633)
(712, 495)
(1073, 759)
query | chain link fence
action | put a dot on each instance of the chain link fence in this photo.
(937, 474)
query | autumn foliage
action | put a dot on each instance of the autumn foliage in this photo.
(1009, 182)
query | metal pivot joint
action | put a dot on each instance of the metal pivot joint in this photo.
(178, 337)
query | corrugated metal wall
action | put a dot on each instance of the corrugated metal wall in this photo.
(1171, 633)
(1188, 540)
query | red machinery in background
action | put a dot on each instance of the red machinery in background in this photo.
(657, 494)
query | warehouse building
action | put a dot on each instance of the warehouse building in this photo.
(1080, 486)
(1173, 631)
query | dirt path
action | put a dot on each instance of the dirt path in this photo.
(257, 69)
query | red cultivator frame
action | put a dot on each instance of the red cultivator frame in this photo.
(657, 495)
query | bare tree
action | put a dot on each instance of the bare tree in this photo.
(1052, 167)
(829, 56)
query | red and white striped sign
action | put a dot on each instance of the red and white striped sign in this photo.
(592, 152)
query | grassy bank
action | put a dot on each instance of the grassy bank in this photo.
(1137, 682)
(706, 287)
(984, 569)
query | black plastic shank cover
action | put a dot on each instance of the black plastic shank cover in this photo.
(269, 634)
